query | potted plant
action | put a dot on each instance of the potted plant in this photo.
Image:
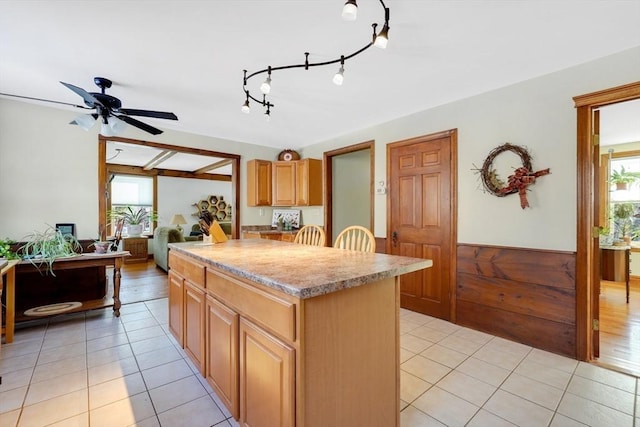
(134, 219)
(622, 213)
(47, 246)
(622, 179)
(5, 249)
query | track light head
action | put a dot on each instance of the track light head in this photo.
(245, 107)
(265, 87)
(350, 10)
(382, 38)
(338, 77)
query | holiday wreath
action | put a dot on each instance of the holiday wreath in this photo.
(516, 183)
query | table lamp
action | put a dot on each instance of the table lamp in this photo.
(177, 220)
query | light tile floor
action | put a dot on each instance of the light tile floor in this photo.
(93, 369)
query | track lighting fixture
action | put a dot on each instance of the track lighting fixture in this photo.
(382, 38)
(245, 107)
(349, 13)
(265, 87)
(350, 10)
(338, 77)
(267, 114)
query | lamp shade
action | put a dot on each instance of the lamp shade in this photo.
(178, 219)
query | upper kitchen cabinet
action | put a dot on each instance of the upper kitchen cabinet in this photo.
(259, 183)
(297, 183)
(309, 182)
(284, 183)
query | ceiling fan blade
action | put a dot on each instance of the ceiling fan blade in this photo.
(149, 113)
(137, 123)
(89, 99)
(46, 100)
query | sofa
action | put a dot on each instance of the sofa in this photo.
(162, 236)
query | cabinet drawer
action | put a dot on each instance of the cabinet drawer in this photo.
(187, 268)
(276, 314)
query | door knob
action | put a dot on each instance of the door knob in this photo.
(394, 238)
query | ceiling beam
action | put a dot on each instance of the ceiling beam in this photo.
(213, 166)
(159, 159)
(137, 170)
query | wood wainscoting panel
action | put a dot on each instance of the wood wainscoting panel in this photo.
(526, 295)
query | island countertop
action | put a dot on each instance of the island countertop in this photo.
(299, 270)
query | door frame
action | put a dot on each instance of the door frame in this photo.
(587, 218)
(328, 183)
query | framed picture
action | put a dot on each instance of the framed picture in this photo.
(67, 228)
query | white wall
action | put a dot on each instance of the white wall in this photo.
(177, 196)
(48, 169)
(49, 174)
(538, 114)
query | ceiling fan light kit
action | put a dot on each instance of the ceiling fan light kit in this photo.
(349, 13)
(109, 108)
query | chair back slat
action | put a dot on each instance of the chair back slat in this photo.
(356, 238)
(312, 235)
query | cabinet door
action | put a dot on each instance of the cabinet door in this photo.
(309, 182)
(267, 379)
(194, 326)
(287, 237)
(258, 183)
(284, 183)
(176, 307)
(222, 353)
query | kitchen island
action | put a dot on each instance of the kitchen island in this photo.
(292, 335)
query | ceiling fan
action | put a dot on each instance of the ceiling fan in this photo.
(108, 108)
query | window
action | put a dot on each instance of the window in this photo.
(133, 191)
(624, 206)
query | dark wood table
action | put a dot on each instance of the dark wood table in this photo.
(86, 260)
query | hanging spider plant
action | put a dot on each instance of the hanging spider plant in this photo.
(43, 248)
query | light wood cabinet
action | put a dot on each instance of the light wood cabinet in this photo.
(222, 353)
(194, 326)
(284, 237)
(284, 183)
(267, 373)
(293, 183)
(138, 247)
(259, 183)
(277, 360)
(309, 182)
(176, 306)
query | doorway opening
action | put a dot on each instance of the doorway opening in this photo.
(351, 201)
(589, 221)
(619, 214)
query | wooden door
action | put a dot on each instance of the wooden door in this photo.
(222, 353)
(421, 220)
(595, 238)
(284, 183)
(267, 379)
(194, 325)
(176, 307)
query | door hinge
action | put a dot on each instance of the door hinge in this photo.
(595, 138)
(596, 324)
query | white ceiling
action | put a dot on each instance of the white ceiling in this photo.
(188, 56)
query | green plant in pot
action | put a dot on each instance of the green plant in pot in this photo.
(623, 178)
(134, 218)
(5, 249)
(623, 224)
(43, 248)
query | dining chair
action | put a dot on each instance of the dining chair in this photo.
(356, 238)
(312, 235)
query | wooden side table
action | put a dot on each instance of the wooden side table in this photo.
(138, 248)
